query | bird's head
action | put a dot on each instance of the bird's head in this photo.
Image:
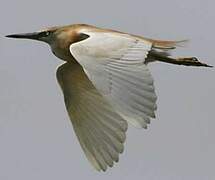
(56, 34)
(59, 38)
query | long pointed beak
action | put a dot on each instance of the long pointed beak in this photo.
(34, 35)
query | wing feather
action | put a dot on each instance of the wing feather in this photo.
(115, 65)
(100, 130)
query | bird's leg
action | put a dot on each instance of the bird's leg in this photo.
(189, 61)
(186, 61)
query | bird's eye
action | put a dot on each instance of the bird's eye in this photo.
(45, 33)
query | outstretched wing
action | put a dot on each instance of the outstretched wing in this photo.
(115, 65)
(100, 130)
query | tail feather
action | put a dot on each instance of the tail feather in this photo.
(162, 44)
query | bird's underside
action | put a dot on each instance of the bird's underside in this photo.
(106, 83)
(110, 85)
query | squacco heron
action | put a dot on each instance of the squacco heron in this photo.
(106, 83)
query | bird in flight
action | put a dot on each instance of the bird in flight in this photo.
(106, 83)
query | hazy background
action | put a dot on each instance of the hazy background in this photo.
(37, 141)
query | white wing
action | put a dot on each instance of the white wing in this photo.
(100, 130)
(115, 65)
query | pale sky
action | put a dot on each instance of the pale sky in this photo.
(37, 140)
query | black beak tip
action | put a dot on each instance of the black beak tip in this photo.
(8, 36)
(11, 36)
